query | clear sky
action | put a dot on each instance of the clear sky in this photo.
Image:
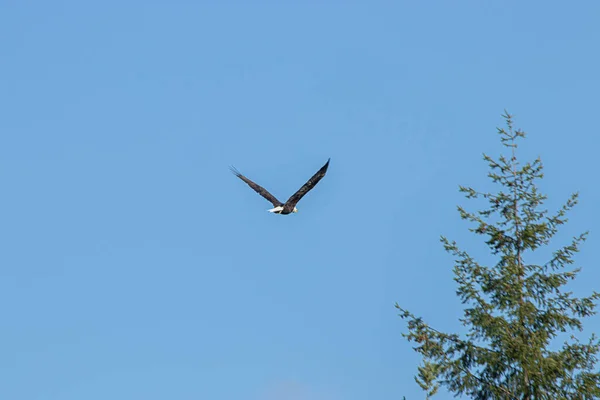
(135, 266)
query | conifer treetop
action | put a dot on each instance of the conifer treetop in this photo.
(513, 309)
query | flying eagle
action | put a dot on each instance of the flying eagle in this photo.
(290, 205)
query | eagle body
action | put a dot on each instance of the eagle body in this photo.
(289, 206)
(281, 210)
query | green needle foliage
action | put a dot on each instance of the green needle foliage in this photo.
(513, 309)
(426, 379)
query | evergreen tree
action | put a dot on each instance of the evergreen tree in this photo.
(514, 308)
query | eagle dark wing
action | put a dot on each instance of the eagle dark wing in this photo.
(295, 198)
(258, 189)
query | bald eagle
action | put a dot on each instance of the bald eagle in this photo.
(290, 205)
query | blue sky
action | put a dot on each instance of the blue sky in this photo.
(135, 266)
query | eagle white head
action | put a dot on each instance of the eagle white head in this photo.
(295, 209)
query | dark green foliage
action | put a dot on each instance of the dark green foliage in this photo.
(426, 378)
(514, 309)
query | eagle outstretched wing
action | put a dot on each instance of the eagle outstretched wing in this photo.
(295, 198)
(257, 188)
